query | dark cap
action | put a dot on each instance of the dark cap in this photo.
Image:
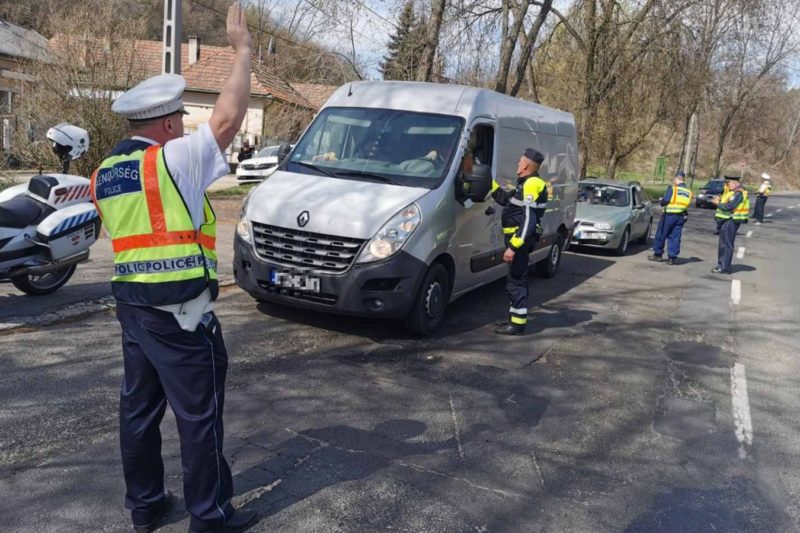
(680, 174)
(733, 178)
(534, 155)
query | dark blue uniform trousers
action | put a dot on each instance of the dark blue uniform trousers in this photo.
(165, 364)
(727, 238)
(761, 201)
(517, 282)
(670, 229)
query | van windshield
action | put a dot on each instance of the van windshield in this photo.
(400, 147)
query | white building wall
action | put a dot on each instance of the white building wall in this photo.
(200, 105)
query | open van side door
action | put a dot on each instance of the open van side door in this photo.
(477, 243)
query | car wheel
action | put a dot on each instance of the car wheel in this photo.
(547, 268)
(645, 238)
(622, 249)
(429, 306)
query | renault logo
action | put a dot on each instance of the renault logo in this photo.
(302, 219)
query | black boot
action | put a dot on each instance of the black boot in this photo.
(511, 329)
(152, 523)
(671, 261)
(240, 521)
(655, 257)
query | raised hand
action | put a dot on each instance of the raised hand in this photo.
(238, 33)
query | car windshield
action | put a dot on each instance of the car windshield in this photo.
(401, 147)
(714, 186)
(269, 151)
(599, 194)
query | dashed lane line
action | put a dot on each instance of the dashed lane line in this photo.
(740, 253)
(749, 234)
(778, 210)
(741, 409)
(736, 291)
(769, 215)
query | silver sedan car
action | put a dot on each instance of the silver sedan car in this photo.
(610, 214)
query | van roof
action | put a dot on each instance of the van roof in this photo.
(458, 100)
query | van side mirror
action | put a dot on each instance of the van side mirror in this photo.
(477, 185)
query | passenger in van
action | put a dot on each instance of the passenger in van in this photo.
(523, 208)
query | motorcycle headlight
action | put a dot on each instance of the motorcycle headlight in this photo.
(605, 226)
(392, 235)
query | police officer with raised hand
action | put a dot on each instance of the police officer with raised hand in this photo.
(733, 209)
(523, 210)
(676, 202)
(150, 192)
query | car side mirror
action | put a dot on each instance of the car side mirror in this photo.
(476, 186)
(283, 151)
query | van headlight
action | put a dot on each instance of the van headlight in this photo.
(392, 235)
(243, 226)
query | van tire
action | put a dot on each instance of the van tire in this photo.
(428, 309)
(547, 268)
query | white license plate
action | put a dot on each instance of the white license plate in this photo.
(298, 282)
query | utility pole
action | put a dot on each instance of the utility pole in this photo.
(173, 25)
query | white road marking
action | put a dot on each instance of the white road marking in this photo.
(769, 215)
(736, 291)
(758, 223)
(750, 233)
(779, 210)
(741, 409)
(791, 207)
(740, 253)
(457, 433)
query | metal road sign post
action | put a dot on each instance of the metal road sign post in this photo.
(173, 22)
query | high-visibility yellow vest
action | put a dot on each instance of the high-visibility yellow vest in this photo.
(159, 257)
(742, 211)
(681, 198)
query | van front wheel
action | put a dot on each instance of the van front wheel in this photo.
(429, 305)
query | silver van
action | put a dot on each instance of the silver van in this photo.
(382, 207)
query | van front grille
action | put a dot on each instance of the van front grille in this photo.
(305, 251)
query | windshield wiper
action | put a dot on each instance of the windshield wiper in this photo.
(324, 170)
(369, 175)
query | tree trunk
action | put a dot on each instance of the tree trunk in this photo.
(723, 136)
(685, 136)
(611, 166)
(508, 46)
(432, 41)
(527, 53)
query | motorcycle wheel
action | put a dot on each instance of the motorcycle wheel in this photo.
(41, 284)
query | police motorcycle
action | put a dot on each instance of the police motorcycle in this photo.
(48, 224)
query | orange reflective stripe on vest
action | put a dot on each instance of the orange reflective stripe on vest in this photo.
(165, 238)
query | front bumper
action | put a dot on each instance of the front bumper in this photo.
(393, 283)
(245, 175)
(588, 236)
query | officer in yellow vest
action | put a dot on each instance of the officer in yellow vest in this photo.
(733, 209)
(676, 201)
(763, 193)
(523, 210)
(150, 192)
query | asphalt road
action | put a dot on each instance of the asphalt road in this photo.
(645, 399)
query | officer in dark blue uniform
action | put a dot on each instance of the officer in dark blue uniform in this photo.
(732, 209)
(523, 210)
(162, 230)
(676, 202)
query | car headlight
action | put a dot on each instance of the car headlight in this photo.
(605, 226)
(392, 235)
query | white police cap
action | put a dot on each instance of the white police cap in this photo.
(154, 97)
(766, 176)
